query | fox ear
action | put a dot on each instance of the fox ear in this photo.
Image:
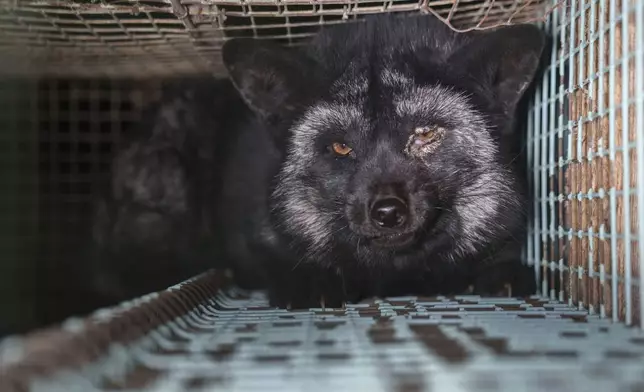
(504, 60)
(269, 77)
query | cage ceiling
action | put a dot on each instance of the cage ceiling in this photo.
(152, 38)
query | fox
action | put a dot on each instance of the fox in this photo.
(153, 214)
(380, 159)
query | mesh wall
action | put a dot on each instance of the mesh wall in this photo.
(57, 139)
(170, 37)
(584, 143)
(18, 201)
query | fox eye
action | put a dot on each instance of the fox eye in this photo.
(424, 139)
(341, 149)
(424, 135)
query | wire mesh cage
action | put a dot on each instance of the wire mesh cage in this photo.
(148, 38)
(195, 337)
(76, 76)
(584, 140)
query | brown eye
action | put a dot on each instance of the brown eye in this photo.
(341, 149)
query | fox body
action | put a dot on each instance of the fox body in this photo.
(379, 161)
(154, 222)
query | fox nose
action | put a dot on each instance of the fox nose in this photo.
(389, 213)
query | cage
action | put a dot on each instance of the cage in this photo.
(75, 75)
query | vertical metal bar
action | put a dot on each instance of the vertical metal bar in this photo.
(545, 171)
(531, 243)
(591, 57)
(590, 153)
(581, 79)
(602, 50)
(543, 131)
(536, 171)
(639, 82)
(600, 109)
(626, 197)
(538, 163)
(535, 220)
(611, 137)
(560, 127)
(570, 89)
(552, 97)
(552, 161)
(571, 67)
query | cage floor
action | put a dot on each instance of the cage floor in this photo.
(197, 337)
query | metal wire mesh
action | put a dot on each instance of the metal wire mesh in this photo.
(56, 142)
(18, 200)
(584, 145)
(195, 337)
(169, 37)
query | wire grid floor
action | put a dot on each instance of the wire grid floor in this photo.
(151, 38)
(196, 337)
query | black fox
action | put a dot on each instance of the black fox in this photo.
(379, 160)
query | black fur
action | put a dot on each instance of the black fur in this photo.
(154, 221)
(295, 215)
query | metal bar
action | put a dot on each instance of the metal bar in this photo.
(611, 147)
(553, 142)
(626, 174)
(602, 56)
(570, 86)
(639, 83)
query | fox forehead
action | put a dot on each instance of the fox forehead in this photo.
(356, 105)
(356, 82)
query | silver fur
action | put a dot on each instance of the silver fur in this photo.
(300, 202)
(477, 214)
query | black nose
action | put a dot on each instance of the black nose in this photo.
(390, 212)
